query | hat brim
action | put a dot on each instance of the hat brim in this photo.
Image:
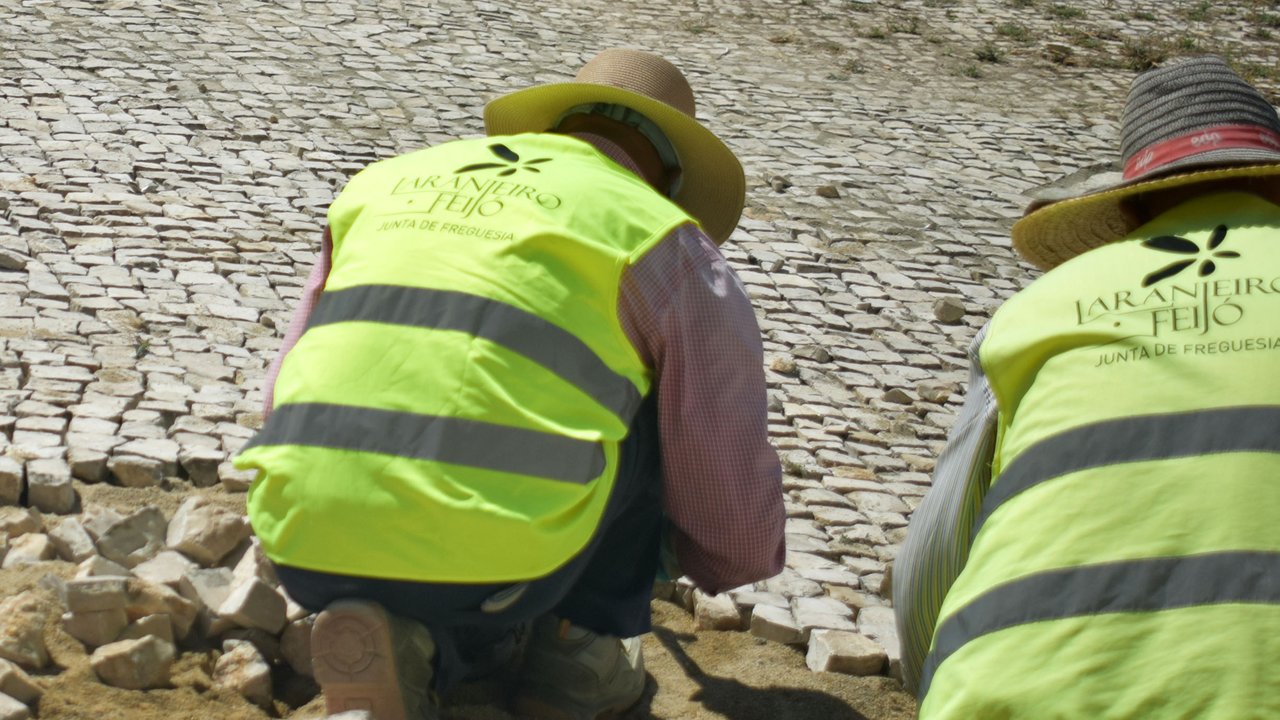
(1054, 231)
(712, 187)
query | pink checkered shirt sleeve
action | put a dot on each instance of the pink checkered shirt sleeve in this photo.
(310, 296)
(689, 317)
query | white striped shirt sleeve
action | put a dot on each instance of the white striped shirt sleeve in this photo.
(937, 544)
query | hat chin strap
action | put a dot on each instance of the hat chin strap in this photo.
(646, 127)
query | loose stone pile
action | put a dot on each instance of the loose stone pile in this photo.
(143, 586)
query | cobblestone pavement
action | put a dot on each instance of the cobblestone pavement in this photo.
(165, 168)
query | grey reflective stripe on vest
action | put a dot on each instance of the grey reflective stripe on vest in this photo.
(428, 437)
(547, 344)
(1134, 586)
(1135, 439)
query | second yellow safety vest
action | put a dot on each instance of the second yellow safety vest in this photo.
(1126, 563)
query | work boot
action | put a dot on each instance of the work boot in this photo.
(368, 659)
(571, 673)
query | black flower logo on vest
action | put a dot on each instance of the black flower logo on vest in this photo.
(1183, 246)
(511, 162)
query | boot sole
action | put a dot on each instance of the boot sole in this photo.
(354, 660)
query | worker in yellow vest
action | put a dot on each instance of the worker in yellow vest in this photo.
(522, 380)
(1103, 535)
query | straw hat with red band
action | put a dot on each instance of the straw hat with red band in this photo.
(1194, 121)
(712, 186)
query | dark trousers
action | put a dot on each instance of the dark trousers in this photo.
(605, 588)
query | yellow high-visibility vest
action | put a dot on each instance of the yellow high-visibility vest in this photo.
(454, 409)
(1126, 563)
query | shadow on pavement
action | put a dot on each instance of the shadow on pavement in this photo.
(737, 701)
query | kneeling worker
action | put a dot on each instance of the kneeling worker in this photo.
(520, 371)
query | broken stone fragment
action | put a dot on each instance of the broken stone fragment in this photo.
(201, 465)
(49, 487)
(22, 619)
(948, 310)
(715, 612)
(253, 604)
(19, 521)
(135, 471)
(97, 519)
(253, 563)
(166, 568)
(95, 627)
(234, 480)
(840, 651)
(147, 598)
(17, 684)
(99, 593)
(12, 481)
(155, 625)
(243, 670)
(205, 532)
(139, 664)
(29, 549)
(775, 623)
(87, 464)
(295, 645)
(13, 709)
(72, 541)
(134, 539)
(98, 566)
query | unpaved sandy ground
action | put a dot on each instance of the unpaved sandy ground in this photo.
(692, 676)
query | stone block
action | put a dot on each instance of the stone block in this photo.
(98, 566)
(160, 450)
(95, 628)
(243, 670)
(209, 588)
(147, 598)
(295, 645)
(87, 464)
(22, 619)
(234, 480)
(17, 684)
(49, 487)
(844, 652)
(72, 541)
(19, 521)
(205, 532)
(253, 563)
(746, 600)
(97, 519)
(292, 610)
(267, 643)
(777, 624)
(254, 604)
(715, 612)
(201, 465)
(12, 481)
(879, 624)
(135, 471)
(135, 538)
(154, 625)
(166, 568)
(98, 593)
(139, 664)
(29, 549)
(13, 709)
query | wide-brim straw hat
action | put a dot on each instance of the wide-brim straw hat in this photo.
(712, 186)
(1193, 121)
